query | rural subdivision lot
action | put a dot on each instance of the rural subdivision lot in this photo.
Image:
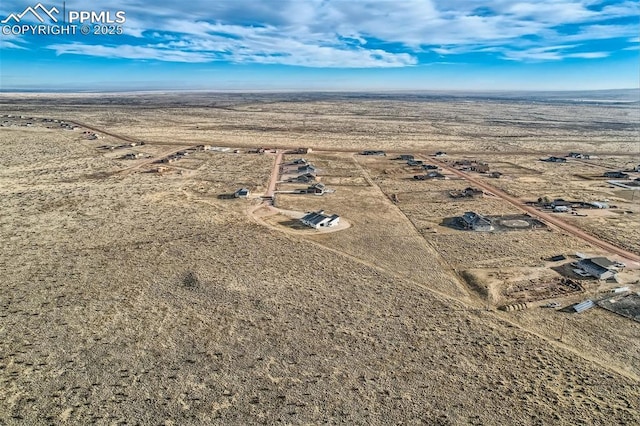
(136, 289)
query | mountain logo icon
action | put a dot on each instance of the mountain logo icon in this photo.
(43, 11)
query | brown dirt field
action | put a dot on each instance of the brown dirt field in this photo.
(149, 298)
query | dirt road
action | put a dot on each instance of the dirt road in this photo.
(275, 173)
(545, 217)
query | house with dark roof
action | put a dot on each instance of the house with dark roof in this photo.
(554, 160)
(405, 157)
(305, 178)
(429, 176)
(479, 167)
(599, 267)
(319, 220)
(469, 192)
(375, 153)
(616, 175)
(241, 193)
(299, 161)
(307, 168)
(579, 155)
(476, 222)
(316, 189)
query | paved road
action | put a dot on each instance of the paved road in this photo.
(545, 217)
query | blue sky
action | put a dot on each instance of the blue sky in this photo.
(333, 45)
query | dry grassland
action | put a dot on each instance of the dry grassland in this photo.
(139, 297)
(352, 121)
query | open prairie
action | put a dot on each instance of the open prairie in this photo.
(136, 289)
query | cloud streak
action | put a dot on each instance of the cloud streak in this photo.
(367, 33)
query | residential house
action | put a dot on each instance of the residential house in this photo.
(479, 167)
(376, 153)
(554, 160)
(599, 267)
(579, 155)
(307, 168)
(316, 189)
(616, 175)
(318, 220)
(429, 176)
(305, 178)
(241, 193)
(476, 222)
(405, 157)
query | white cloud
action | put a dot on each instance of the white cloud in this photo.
(353, 33)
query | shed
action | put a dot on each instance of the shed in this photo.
(583, 306)
(557, 258)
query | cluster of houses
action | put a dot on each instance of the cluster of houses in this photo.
(469, 192)
(471, 166)
(89, 135)
(133, 156)
(175, 157)
(186, 152)
(127, 145)
(412, 162)
(579, 155)
(561, 206)
(9, 123)
(305, 171)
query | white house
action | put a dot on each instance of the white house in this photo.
(320, 220)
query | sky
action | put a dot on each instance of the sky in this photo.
(341, 45)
